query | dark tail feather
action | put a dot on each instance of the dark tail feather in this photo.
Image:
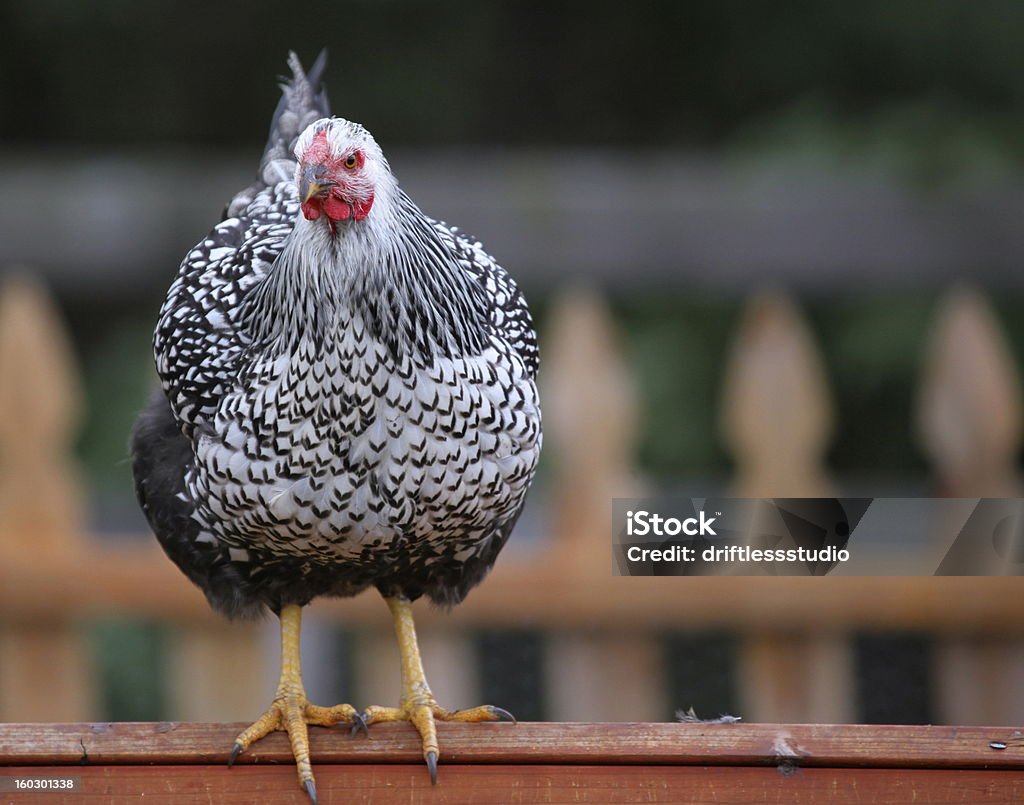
(303, 100)
(313, 78)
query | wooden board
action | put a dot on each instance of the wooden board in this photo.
(526, 784)
(529, 762)
(880, 746)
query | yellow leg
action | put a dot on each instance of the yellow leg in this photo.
(290, 710)
(417, 704)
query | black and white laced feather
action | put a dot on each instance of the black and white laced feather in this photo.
(336, 411)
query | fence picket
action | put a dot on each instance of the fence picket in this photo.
(776, 418)
(590, 403)
(46, 673)
(969, 424)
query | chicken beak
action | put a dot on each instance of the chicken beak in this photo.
(313, 183)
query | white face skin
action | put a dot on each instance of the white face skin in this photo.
(340, 171)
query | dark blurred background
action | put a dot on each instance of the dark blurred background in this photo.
(694, 75)
(675, 156)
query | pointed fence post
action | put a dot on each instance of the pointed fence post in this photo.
(776, 407)
(969, 426)
(591, 416)
(590, 407)
(46, 673)
(969, 405)
(776, 419)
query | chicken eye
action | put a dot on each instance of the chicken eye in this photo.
(350, 161)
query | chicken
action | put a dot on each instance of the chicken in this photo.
(348, 400)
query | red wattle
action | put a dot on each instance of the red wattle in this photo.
(311, 209)
(361, 209)
(336, 209)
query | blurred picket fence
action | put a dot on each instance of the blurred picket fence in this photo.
(603, 653)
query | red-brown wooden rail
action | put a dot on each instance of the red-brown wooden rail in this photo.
(173, 762)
